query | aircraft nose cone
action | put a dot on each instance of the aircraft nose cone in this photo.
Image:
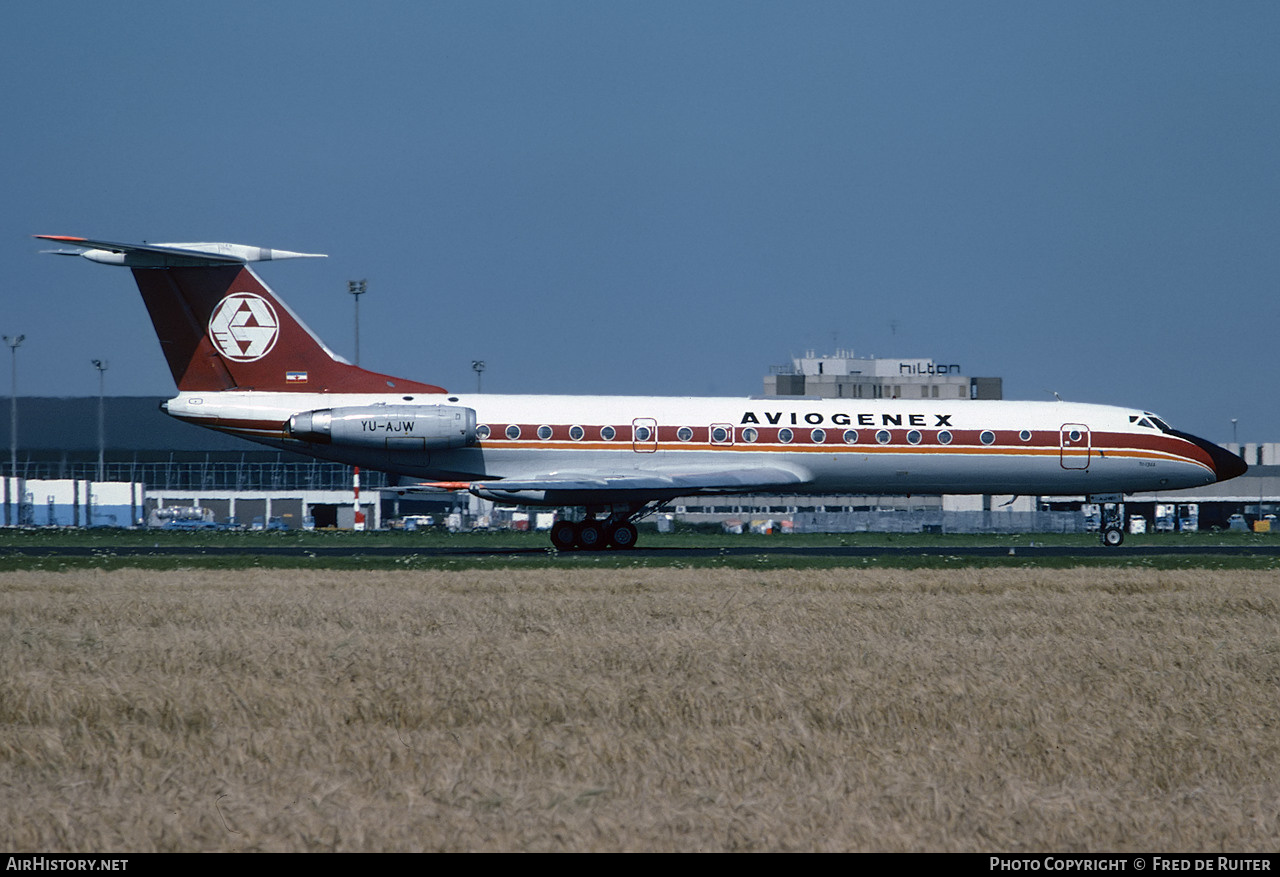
(1226, 465)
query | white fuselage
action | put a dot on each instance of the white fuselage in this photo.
(833, 446)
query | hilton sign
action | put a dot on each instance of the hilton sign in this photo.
(927, 368)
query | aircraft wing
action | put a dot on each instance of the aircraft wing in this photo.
(698, 481)
(570, 488)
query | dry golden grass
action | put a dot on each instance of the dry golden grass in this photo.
(973, 710)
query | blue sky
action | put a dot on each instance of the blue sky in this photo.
(669, 198)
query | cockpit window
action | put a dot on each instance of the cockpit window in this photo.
(1150, 421)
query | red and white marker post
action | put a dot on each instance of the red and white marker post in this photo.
(359, 518)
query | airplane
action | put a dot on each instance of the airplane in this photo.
(245, 364)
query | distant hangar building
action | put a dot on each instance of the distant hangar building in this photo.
(845, 376)
(152, 462)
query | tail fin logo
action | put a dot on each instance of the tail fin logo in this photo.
(244, 327)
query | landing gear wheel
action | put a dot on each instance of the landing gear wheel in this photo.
(623, 536)
(562, 535)
(590, 536)
(1112, 536)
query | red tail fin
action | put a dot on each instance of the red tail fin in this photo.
(221, 328)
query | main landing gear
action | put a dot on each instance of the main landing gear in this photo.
(593, 533)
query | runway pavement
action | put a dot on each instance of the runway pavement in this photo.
(831, 551)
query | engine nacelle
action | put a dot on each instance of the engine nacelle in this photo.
(389, 427)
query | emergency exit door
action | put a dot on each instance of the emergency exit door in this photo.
(1075, 446)
(644, 435)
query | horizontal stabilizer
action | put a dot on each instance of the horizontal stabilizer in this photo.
(169, 255)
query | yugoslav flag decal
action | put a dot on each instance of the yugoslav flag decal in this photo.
(244, 327)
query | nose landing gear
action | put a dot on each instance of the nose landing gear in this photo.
(1111, 520)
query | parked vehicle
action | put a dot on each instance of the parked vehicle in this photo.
(1189, 517)
(182, 518)
(190, 524)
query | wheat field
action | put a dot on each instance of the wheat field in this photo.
(994, 710)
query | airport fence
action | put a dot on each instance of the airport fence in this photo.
(938, 522)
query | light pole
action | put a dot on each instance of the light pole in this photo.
(13, 406)
(1234, 439)
(477, 366)
(357, 288)
(13, 434)
(101, 366)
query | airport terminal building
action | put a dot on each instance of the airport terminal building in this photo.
(155, 469)
(845, 376)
